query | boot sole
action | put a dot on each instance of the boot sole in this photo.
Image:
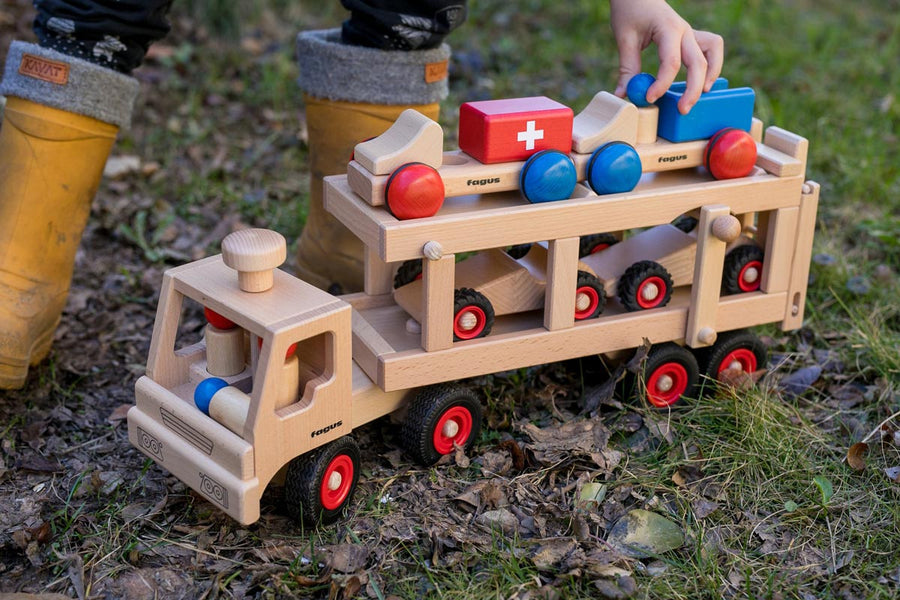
(14, 371)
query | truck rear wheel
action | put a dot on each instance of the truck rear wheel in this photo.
(473, 315)
(670, 373)
(743, 269)
(589, 296)
(738, 349)
(645, 285)
(439, 418)
(318, 485)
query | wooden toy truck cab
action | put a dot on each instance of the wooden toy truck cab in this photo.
(293, 370)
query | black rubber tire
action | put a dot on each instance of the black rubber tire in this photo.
(658, 356)
(304, 477)
(735, 261)
(465, 298)
(588, 243)
(586, 279)
(518, 251)
(409, 271)
(710, 359)
(631, 280)
(685, 223)
(425, 412)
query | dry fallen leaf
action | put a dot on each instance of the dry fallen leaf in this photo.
(855, 456)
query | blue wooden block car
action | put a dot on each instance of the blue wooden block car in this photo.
(716, 109)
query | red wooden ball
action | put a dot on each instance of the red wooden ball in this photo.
(217, 320)
(414, 190)
(731, 153)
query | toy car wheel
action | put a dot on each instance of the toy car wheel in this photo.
(614, 168)
(318, 485)
(414, 190)
(473, 315)
(595, 242)
(645, 285)
(742, 271)
(548, 176)
(518, 251)
(589, 296)
(739, 349)
(409, 271)
(441, 417)
(685, 223)
(730, 153)
(670, 373)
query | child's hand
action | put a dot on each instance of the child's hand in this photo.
(637, 23)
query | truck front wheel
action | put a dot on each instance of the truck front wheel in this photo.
(320, 484)
(441, 417)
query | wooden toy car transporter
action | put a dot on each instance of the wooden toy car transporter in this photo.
(296, 370)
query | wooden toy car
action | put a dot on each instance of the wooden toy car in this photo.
(285, 372)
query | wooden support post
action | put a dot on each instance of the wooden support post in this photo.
(438, 279)
(806, 227)
(378, 275)
(562, 277)
(701, 324)
(781, 231)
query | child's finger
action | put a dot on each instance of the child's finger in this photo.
(696, 65)
(713, 47)
(629, 62)
(669, 46)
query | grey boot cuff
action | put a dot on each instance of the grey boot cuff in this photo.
(60, 81)
(335, 71)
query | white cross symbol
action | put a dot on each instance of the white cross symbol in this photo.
(530, 135)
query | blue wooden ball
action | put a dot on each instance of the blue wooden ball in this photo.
(205, 390)
(637, 88)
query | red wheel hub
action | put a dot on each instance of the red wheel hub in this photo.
(469, 322)
(454, 427)
(592, 298)
(741, 358)
(336, 482)
(750, 276)
(651, 292)
(666, 384)
(414, 190)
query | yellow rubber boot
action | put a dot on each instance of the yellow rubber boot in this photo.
(61, 118)
(353, 93)
(51, 162)
(328, 253)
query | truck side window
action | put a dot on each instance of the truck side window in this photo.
(309, 363)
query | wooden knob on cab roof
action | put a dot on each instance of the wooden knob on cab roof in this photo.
(254, 254)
